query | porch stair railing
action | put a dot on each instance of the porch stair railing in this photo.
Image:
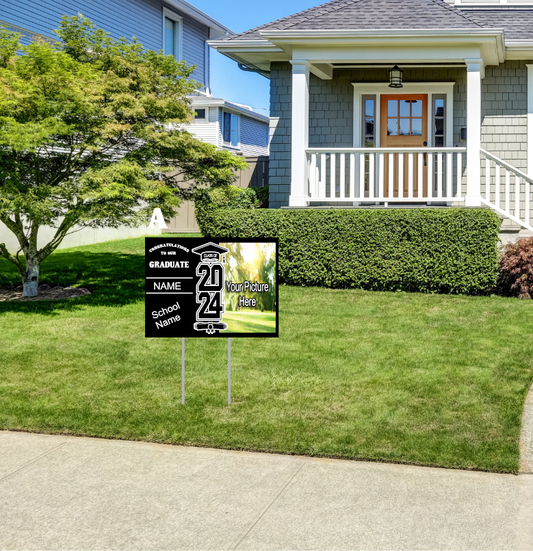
(385, 175)
(506, 190)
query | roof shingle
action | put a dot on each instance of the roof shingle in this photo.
(372, 14)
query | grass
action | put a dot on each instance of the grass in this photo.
(423, 379)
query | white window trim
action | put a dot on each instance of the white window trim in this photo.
(229, 144)
(179, 38)
(382, 88)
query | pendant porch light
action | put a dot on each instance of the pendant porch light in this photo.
(395, 77)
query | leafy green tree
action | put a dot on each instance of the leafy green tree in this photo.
(89, 138)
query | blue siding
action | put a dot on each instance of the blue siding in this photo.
(194, 36)
(254, 137)
(140, 18)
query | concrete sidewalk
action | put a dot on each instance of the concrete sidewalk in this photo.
(61, 492)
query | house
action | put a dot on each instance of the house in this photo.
(380, 103)
(232, 126)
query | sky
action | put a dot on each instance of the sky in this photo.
(227, 80)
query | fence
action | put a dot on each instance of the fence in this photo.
(256, 175)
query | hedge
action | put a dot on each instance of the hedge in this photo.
(424, 250)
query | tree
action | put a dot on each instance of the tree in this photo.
(88, 138)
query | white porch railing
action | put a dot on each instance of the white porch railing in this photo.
(506, 189)
(385, 175)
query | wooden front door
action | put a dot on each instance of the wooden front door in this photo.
(404, 124)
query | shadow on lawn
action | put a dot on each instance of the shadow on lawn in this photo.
(114, 279)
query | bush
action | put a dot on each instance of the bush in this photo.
(229, 197)
(425, 250)
(516, 269)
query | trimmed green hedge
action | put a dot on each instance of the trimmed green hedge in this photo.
(426, 250)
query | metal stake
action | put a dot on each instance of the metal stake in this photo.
(229, 370)
(183, 370)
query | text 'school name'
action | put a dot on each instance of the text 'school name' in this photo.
(169, 264)
(248, 286)
(163, 312)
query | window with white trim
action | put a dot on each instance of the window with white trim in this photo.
(230, 130)
(172, 37)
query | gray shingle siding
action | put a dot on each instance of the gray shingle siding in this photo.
(279, 172)
(504, 112)
(254, 137)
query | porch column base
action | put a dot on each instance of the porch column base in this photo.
(298, 201)
(472, 201)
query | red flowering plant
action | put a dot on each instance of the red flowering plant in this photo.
(516, 269)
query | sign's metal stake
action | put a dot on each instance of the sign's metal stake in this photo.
(183, 370)
(229, 370)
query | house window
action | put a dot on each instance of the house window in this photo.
(200, 114)
(231, 129)
(439, 120)
(369, 121)
(172, 34)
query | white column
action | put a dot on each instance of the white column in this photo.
(300, 133)
(529, 119)
(474, 73)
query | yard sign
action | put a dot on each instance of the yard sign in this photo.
(198, 287)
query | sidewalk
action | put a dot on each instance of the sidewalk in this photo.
(61, 492)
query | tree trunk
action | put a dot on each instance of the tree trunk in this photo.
(30, 281)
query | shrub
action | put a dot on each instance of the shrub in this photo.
(516, 269)
(425, 250)
(229, 197)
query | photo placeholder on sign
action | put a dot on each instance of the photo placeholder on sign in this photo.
(197, 287)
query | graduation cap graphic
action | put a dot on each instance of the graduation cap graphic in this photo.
(211, 253)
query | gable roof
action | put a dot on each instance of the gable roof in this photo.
(370, 14)
(517, 21)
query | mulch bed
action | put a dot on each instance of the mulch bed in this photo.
(46, 292)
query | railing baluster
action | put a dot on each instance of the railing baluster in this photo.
(333, 175)
(517, 195)
(420, 186)
(459, 183)
(342, 176)
(381, 175)
(497, 183)
(391, 176)
(352, 176)
(362, 163)
(371, 176)
(527, 198)
(449, 174)
(487, 178)
(312, 175)
(430, 175)
(400, 174)
(439, 175)
(507, 189)
(410, 171)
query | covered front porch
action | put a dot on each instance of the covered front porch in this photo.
(418, 144)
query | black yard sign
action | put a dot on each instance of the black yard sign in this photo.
(198, 287)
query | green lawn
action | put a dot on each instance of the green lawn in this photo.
(250, 322)
(424, 379)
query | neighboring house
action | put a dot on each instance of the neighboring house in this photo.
(230, 126)
(455, 128)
